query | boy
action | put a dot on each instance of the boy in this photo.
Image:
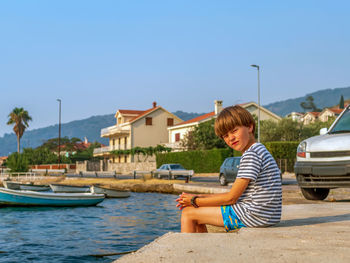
(255, 199)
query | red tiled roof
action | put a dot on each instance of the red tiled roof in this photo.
(144, 113)
(199, 118)
(138, 112)
(315, 113)
(336, 110)
(3, 157)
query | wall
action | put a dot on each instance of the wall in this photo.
(128, 168)
(120, 168)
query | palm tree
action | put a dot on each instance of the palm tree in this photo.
(20, 118)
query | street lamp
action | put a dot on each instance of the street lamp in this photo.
(258, 68)
(59, 134)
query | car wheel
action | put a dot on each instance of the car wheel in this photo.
(222, 180)
(315, 193)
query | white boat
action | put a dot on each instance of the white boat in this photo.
(9, 197)
(11, 185)
(109, 193)
(63, 188)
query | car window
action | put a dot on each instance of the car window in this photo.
(162, 167)
(343, 124)
(176, 167)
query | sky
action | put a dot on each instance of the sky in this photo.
(101, 56)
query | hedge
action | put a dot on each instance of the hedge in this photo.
(284, 154)
(201, 161)
(209, 161)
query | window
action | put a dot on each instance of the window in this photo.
(177, 137)
(170, 122)
(119, 159)
(125, 141)
(113, 142)
(113, 159)
(148, 120)
(125, 158)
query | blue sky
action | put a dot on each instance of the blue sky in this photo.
(100, 56)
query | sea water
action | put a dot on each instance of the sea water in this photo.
(48, 234)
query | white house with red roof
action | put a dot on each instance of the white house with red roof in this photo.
(310, 117)
(136, 128)
(179, 131)
(329, 112)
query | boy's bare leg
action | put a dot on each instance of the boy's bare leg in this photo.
(193, 220)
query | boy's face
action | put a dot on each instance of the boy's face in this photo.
(240, 138)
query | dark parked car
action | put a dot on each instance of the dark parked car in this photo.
(228, 170)
(172, 171)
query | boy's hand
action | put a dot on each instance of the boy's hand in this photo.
(184, 200)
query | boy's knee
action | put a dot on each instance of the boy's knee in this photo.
(188, 212)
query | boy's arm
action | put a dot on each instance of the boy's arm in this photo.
(228, 198)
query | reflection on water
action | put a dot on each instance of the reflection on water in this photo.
(45, 234)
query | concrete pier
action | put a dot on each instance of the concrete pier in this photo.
(307, 233)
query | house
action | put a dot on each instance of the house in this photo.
(178, 132)
(310, 117)
(295, 116)
(136, 128)
(3, 160)
(329, 112)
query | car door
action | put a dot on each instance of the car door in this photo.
(228, 169)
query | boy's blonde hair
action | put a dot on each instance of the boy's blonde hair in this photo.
(231, 117)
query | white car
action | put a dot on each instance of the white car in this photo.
(323, 162)
(172, 171)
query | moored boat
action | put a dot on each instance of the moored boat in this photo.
(11, 185)
(63, 188)
(109, 193)
(9, 197)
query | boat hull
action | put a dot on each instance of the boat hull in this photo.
(109, 193)
(10, 197)
(60, 188)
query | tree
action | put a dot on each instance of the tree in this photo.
(203, 137)
(341, 102)
(309, 104)
(20, 118)
(17, 162)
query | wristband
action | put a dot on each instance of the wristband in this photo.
(193, 201)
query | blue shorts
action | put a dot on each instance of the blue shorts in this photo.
(231, 220)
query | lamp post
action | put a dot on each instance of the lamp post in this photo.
(258, 68)
(59, 133)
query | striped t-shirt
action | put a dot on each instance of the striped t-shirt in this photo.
(261, 203)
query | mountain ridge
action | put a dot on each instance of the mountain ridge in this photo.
(91, 127)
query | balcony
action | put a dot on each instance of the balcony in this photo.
(107, 149)
(115, 129)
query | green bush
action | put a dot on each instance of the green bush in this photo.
(17, 163)
(201, 161)
(284, 154)
(209, 161)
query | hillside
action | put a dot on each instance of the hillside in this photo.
(322, 99)
(89, 128)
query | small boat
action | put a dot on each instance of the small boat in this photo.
(34, 187)
(9, 197)
(64, 188)
(109, 193)
(28, 186)
(11, 185)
